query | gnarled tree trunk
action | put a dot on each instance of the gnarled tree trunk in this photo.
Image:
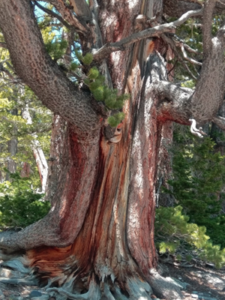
(98, 238)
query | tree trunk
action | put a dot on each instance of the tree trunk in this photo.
(98, 238)
(107, 203)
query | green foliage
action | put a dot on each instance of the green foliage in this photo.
(96, 83)
(173, 232)
(56, 48)
(20, 206)
(116, 119)
(13, 102)
(198, 179)
(87, 59)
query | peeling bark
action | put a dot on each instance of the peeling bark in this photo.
(98, 238)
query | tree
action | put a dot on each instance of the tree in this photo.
(98, 237)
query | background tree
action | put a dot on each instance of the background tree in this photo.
(98, 238)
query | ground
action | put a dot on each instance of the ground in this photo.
(200, 282)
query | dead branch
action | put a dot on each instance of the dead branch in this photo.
(51, 13)
(191, 60)
(67, 14)
(150, 32)
(173, 47)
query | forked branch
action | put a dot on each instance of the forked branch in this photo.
(150, 32)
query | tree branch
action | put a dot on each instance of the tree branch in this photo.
(174, 102)
(173, 47)
(175, 8)
(207, 25)
(68, 15)
(141, 35)
(81, 9)
(51, 13)
(210, 89)
(39, 72)
(220, 122)
(178, 42)
(191, 60)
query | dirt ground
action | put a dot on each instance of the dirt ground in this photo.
(198, 284)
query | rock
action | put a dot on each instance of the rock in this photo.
(213, 279)
(164, 287)
(1, 295)
(43, 297)
(35, 293)
(177, 282)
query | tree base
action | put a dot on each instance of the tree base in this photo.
(70, 285)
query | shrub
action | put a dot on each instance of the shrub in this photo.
(19, 204)
(174, 233)
(198, 179)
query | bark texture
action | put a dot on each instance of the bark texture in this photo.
(98, 238)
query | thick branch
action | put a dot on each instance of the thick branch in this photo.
(220, 122)
(207, 25)
(141, 35)
(81, 9)
(210, 89)
(38, 71)
(174, 102)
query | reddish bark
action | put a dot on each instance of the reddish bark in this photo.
(101, 224)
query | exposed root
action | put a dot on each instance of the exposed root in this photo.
(138, 289)
(135, 289)
(20, 281)
(93, 293)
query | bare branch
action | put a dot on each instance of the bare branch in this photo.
(141, 35)
(51, 13)
(178, 42)
(173, 47)
(186, 16)
(68, 15)
(191, 60)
